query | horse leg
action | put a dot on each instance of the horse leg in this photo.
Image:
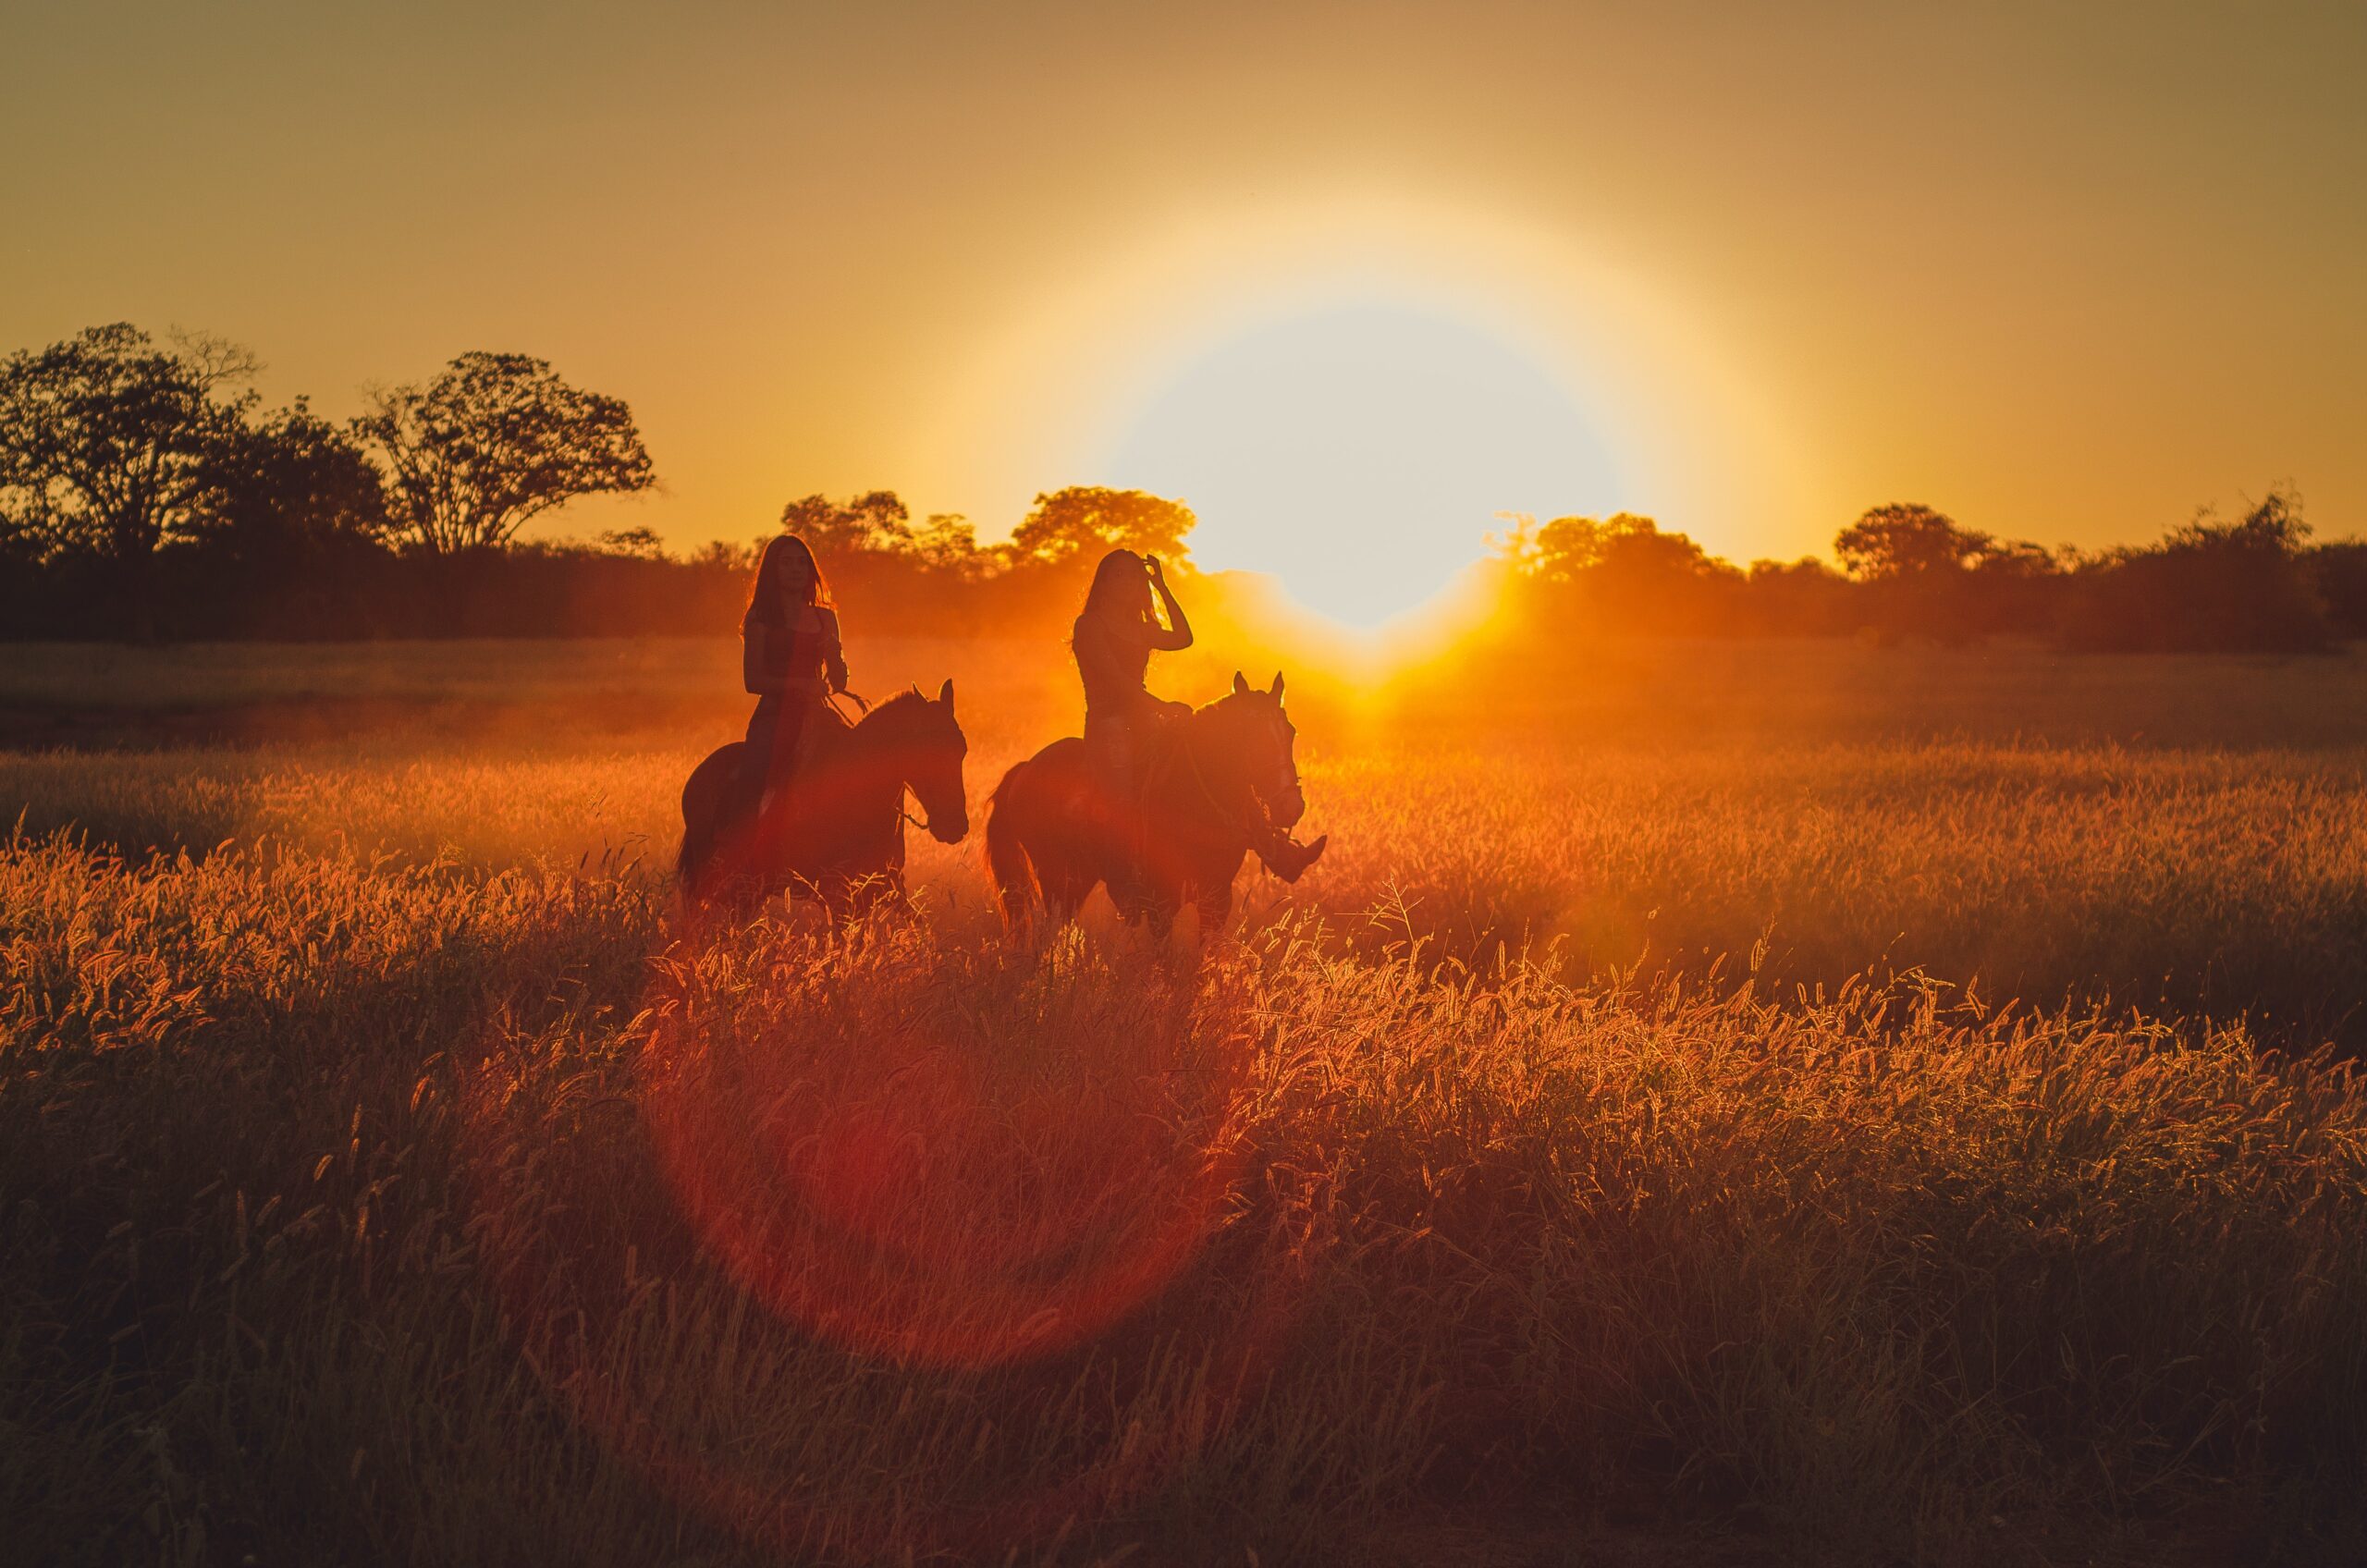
(1152, 900)
(1211, 890)
(1136, 899)
(1064, 896)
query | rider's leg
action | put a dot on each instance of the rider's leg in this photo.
(1110, 743)
(755, 760)
(780, 763)
(1285, 856)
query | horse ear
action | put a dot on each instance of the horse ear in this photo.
(1278, 686)
(945, 692)
(1240, 685)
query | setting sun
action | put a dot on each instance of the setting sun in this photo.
(1358, 452)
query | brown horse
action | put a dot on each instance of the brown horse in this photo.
(840, 831)
(1210, 781)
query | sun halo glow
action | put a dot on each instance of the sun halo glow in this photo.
(1359, 450)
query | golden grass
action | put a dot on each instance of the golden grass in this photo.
(2232, 883)
(389, 1183)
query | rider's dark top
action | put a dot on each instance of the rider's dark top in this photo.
(798, 656)
(1113, 658)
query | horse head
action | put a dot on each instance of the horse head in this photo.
(1263, 740)
(925, 747)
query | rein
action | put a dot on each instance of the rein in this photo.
(1225, 815)
(863, 710)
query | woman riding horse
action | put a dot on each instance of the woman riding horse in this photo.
(845, 840)
(847, 831)
(1214, 785)
(1113, 639)
(790, 658)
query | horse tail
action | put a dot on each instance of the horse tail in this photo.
(1007, 858)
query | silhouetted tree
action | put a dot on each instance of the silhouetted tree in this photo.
(877, 529)
(2340, 568)
(875, 523)
(1905, 540)
(287, 534)
(286, 487)
(1082, 522)
(946, 544)
(1568, 549)
(1802, 598)
(1621, 573)
(494, 442)
(634, 543)
(2014, 586)
(106, 439)
(2245, 586)
(1931, 576)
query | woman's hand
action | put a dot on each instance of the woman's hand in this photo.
(1178, 634)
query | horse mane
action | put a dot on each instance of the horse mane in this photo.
(889, 717)
(902, 707)
(1221, 702)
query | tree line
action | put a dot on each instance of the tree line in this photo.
(145, 493)
(1905, 572)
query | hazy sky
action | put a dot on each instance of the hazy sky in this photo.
(2066, 271)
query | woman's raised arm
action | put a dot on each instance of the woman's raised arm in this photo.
(1178, 634)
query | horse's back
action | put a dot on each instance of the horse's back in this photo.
(1061, 763)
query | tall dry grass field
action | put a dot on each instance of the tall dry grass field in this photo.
(1838, 1103)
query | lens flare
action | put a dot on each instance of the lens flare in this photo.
(919, 1204)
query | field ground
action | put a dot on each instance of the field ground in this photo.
(2165, 833)
(1715, 1103)
(1669, 693)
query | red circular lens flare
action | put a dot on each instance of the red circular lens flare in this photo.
(891, 1201)
(911, 1205)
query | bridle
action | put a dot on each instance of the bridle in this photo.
(863, 710)
(1225, 813)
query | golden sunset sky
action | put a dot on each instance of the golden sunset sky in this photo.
(2064, 271)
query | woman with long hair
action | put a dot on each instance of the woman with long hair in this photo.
(789, 657)
(1113, 639)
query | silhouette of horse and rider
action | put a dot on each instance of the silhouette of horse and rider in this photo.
(1158, 802)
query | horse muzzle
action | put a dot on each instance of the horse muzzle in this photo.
(951, 827)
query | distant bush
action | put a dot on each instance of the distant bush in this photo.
(2342, 570)
(2247, 586)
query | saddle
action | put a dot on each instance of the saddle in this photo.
(823, 729)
